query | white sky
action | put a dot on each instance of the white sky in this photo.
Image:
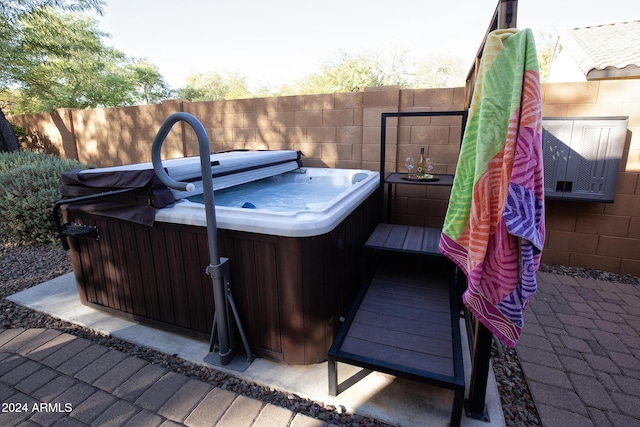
(277, 41)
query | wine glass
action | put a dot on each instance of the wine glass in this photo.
(428, 163)
(409, 164)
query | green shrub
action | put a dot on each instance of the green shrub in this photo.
(29, 185)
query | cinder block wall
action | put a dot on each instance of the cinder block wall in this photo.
(605, 236)
(343, 130)
(326, 128)
(440, 136)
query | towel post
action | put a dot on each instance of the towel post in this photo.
(475, 406)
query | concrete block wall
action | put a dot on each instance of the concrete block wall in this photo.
(604, 236)
(440, 136)
(342, 130)
(117, 136)
(50, 132)
(326, 128)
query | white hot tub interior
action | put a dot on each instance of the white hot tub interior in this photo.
(300, 203)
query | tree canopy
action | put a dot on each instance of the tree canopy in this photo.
(345, 73)
(55, 58)
(213, 86)
(349, 73)
(14, 9)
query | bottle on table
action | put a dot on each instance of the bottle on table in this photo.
(421, 171)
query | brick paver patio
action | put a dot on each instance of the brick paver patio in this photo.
(51, 378)
(580, 352)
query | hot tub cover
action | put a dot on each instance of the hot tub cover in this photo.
(147, 193)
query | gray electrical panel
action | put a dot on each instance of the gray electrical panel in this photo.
(581, 157)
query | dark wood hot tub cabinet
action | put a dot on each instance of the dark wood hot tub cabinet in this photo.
(290, 292)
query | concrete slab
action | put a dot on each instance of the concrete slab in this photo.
(386, 398)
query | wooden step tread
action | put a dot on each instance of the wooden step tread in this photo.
(405, 238)
(405, 322)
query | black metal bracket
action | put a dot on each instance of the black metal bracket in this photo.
(79, 230)
(75, 230)
(509, 12)
(229, 360)
(475, 406)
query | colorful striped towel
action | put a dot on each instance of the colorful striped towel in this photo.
(494, 226)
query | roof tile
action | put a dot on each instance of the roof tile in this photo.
(606, 46)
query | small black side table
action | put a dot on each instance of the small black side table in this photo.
(401, 178)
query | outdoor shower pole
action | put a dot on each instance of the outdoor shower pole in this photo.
(214, 268)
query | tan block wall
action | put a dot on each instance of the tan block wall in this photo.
(440, 136)
(52, 132)
(326, 128)
(603, 236)
(343, 130)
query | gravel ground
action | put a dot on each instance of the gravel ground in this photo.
(25, 265)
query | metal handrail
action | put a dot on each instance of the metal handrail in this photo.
(226, 351)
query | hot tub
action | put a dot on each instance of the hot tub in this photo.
(301, 203)
(295, 266)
